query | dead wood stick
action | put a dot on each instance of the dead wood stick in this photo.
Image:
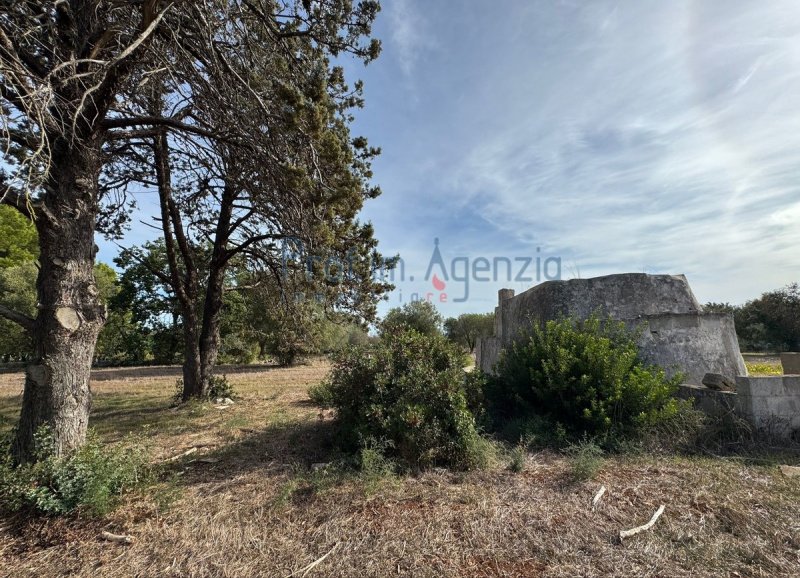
(628, 533)
(119, 539)
(188, 452)
(598, 495)
(311, 566)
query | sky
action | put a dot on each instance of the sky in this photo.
(589, 138)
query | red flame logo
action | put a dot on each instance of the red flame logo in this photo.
(438, 284)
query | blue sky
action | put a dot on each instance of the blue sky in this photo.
(618, 136)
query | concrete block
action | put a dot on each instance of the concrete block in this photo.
(790, 363)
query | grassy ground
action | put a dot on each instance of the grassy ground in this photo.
(762, 365)
(250, 502)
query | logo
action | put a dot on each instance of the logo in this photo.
(452, 280)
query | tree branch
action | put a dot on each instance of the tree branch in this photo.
(155, 121)
(16, 199)
(20, 319)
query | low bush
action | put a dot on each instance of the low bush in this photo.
(406, 393)
(90, 479)
(586, 378)
(220, 387)
(585, 459)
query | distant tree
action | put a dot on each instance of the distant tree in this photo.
(775, 318)
(149, 299)
(18, 240)
(721, 308)
(418, 315)
(769, 323)
(467, 328)
(17, 292)
(19, 250)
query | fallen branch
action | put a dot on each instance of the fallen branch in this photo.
(628, 533)
(311, 566)
(118, 538)
(188, 452)
(598, 496)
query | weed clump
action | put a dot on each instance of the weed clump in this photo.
(90, 479)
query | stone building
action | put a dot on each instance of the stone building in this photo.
(675, 331)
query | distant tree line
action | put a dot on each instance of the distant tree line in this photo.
(144, 323)
(769, 323)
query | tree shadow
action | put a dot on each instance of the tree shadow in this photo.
(272, 450)
(117, 373)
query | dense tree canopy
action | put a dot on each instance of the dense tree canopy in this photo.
(108, 89)
(769, 323)
(421, 316)
(467, 328)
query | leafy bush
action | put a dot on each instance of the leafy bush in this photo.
(91, 478)
(219, 386)
(585, 459)
(587, 377)
(406, 393)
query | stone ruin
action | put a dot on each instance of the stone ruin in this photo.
(676, 333)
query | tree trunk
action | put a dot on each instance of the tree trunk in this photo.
(70, 314)
(215, 289)
(193, 383)
(209, 337)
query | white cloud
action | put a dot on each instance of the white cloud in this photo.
(409, 34)
(675, 151)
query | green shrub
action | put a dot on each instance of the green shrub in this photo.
(90, 479)
(407, 392)
(321, 395)
(585, 459)
(219, 386)
(375, 467)
(587, 377)
(421, 316)
(518, 455)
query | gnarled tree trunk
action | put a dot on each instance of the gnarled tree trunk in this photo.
(70, 314)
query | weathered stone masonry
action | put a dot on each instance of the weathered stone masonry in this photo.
(676, 333)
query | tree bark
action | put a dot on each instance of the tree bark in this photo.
(209, 336)
(193, 383)
(215, 290)
(70, 314)
(184, 280)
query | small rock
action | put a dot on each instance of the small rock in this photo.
(227, 401)
(718, 382)
(218, 400)
(791, 471)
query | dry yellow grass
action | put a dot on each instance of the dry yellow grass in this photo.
(248, 503)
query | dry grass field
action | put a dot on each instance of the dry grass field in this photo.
(249, 502)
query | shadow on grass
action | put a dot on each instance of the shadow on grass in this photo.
(116, 373)
(276, 449)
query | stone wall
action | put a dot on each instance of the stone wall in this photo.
(676, 334)
(694, 344)
(790, 362)
(771, 403)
